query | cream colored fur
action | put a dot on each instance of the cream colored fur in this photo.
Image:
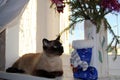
(35, 61)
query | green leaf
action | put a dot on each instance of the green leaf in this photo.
(100, 56)
(115, 56)
(98, 28)
(116, 51)
(110, 49)
(103, 41)
(51, 5)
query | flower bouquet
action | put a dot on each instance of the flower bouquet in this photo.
(95, 11)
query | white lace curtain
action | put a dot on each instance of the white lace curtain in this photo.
(9, 9)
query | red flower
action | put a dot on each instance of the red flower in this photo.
(59, 4)
(111, 5)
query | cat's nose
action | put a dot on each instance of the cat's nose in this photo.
(61, 49)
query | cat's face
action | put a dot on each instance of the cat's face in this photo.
(53, 47)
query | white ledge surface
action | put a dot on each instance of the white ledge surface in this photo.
(14, 76)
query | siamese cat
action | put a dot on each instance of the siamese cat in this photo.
(46, 64)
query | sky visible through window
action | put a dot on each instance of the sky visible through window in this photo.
(77, 33)
(114, 21)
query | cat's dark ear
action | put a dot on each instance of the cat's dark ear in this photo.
(58, 38)
(45, 42)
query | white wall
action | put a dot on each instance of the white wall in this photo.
(47, 22)
(12, 43)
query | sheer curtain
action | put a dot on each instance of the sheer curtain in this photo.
(9, 10)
